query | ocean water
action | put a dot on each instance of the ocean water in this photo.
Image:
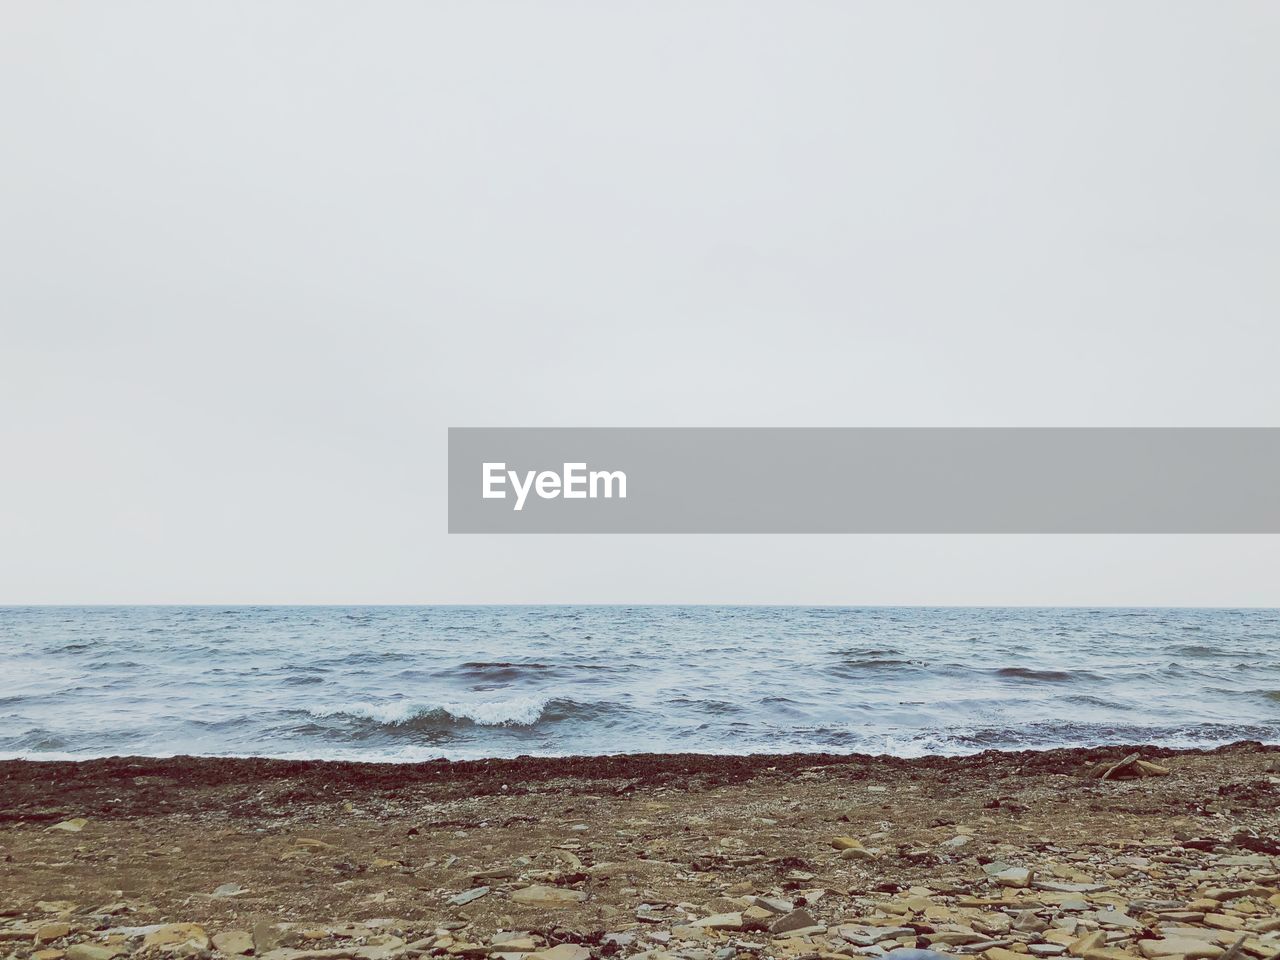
(410, 683)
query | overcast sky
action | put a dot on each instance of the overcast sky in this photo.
(256, 257)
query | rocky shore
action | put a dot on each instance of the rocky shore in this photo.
(1103, 854)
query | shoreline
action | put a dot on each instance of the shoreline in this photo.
(23, 782)
(1010, 855)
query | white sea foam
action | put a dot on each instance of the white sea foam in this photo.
(509, 712)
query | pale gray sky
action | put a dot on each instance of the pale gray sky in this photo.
(256, 257)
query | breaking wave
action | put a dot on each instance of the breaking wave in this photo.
(510, 712)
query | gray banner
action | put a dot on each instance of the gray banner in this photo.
(864, 480)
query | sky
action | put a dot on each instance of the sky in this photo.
(256, 258)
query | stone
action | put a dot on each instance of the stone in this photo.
(794, 920)
(1179, 946)
(266, 937)
(74, 825)
(467, 896)
(773, 906)
(93, 951)
(544, 896)
(233, 942)
(51, 931)
(562, 951)
(1016, 877)
(857, 853)
(312, 844)
(720, 921)
(230, 890)
(175, 936)
(1223, 921)
(959, 840)
(1027, 922)
(1090, 941)
(1046, 949)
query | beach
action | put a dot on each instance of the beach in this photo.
(999, 854)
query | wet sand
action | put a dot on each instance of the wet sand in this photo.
(1001, 854)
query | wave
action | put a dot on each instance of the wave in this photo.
(512, 712)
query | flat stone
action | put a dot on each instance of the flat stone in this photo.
(720, 921)
(1179, 946)
(793, 921)
(172, 936)
(51, 931)
(1016, 877)
(773, 906)
(467, 896)
(544, 896)
(74, 825)
(233, 942)
(93, 951)
(562, 951)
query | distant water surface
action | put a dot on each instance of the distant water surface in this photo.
(409, 683)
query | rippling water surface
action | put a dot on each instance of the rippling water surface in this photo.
(397, 683)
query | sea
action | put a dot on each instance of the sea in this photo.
(406, 683)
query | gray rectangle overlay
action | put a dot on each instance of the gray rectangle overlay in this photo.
(873, 480)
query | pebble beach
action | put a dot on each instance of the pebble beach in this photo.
(1095, 854)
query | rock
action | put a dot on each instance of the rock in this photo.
(233, 942)
(999, 953)
(1187, 947)
(93, 951)
(794, 920)
(55, 906)
(910, 953)
(959, 840)
(1046, 949)
(266, 937)
(720, 921)
(773, 906)
(544, 896)
(1054, 887)
(230, 890)
(1027, 922)
(176, 936)
(1014, 877)
(688, 932)
(467, 896)
(1221, 921)
(312, 844)
(563, 951)
(51, 931)
(74, 825)
(1090, 941)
